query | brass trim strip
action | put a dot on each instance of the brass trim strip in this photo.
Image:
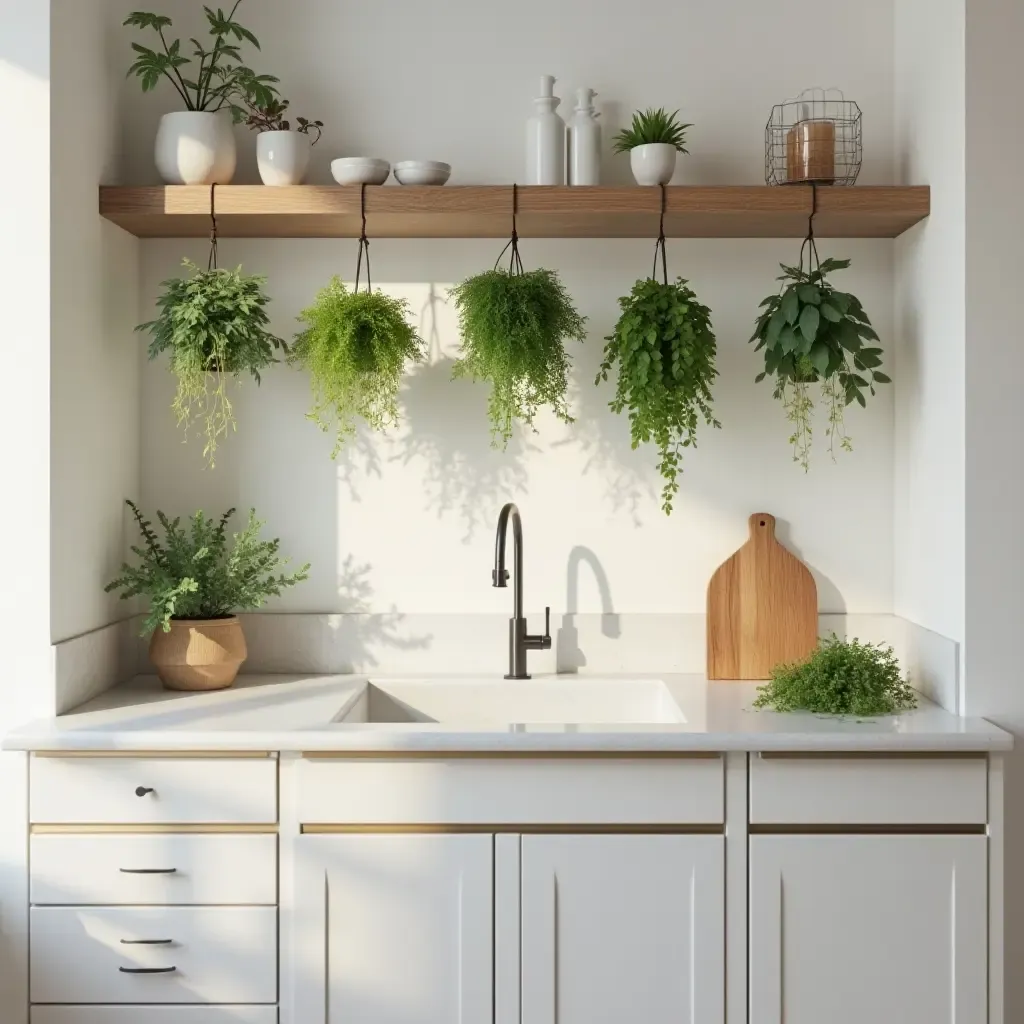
(529, 829)
(873, 755)
(72, 829)
(512, 755)
(869, 830)
(159, 754)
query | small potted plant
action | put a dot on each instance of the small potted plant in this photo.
(652, 141)
(196, 146)
(282, 152)
(195, 582)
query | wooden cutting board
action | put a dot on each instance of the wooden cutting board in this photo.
(762, 608)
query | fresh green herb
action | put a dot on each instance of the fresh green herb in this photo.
(665, 349)
(214, 323)
(192, 573)
(513, 326)
(355, 348)
(220, 80)
(841, 677)
(810, 333)
(652, 126)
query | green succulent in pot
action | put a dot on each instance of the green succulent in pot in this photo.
(214, 325)
(355, 347)
(811, 334)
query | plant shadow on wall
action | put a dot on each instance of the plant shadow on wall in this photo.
(443, 427)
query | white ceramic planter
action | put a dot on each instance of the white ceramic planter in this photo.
(653, 164)
(195, 147)
(283, 157)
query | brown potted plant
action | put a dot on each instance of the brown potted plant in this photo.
(195, 582)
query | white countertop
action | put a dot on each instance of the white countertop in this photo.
(294, 713)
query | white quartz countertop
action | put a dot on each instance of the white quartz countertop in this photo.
(295, 713)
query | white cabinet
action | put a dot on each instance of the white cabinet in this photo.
(394, 929)
(622, 928)
(890, 929)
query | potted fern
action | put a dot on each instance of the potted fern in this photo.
(652, 141)
(195, 581)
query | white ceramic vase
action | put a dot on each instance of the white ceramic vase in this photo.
(195, 147)
(283, 157)
(653, 163)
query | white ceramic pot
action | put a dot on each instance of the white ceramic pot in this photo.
(195, 147)
(653, 164)
(283, 157)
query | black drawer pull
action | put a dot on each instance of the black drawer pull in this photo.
(147, 871)
(143, 790)
(147, 970)
(146, 942)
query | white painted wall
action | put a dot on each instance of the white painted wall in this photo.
(406, 522)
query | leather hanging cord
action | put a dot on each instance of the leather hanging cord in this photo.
(813, 263)
(364, 242)
(211, 263)
(659, 245)
(515, 263)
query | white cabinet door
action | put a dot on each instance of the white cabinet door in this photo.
(622, 928)
(394, 929)
(846, 929)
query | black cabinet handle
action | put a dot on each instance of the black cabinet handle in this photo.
(143, 790)
(147, 970)
(146, 942)
(148, 871)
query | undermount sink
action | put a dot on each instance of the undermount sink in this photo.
(582, 701)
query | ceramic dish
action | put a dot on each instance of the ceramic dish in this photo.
(357, 170)
(422, 172)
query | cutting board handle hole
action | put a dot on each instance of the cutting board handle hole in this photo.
(761, 523)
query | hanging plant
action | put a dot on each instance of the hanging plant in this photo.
(665, 349)
(811, 333)
(214, 325)
(514, 324)
(355, 348)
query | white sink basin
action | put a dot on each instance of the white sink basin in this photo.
(488, 702)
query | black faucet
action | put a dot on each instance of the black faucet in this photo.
(519, 641)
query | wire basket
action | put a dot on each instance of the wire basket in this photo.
(814, 138)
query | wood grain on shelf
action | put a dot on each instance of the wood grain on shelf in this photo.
(333, 211)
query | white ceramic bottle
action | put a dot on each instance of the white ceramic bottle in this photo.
(545, 139)
(584, 141)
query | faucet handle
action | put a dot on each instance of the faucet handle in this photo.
(547, 622)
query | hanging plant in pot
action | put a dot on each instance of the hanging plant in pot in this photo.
(514, 324)
(665, 349)
(195, 146)
(195, 581)
(213, 323)
(813, 334)
(652, 141)
(282, 152)
(355, 347)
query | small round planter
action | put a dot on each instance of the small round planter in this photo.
(198, 654)
(653, 163)
(283, 157)
(195, 147)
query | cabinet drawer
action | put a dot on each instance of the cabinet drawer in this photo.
(153, 869)
(868, 790)
(152, 790)
(512, 791)
(122, 955)
(154, 1015)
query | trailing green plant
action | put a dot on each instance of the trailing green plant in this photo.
(841, 677)
(813, 334)
(355, 347)
(652, 126)
(665, 349)
(214, 324)
(269, 117)
(194, 573)
(220, 78)
(514, 325)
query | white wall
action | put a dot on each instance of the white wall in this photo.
(406, 522)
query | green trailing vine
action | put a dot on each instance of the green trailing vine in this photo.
(812, 334)
(214, 325)
(355, 348)
(841, 677)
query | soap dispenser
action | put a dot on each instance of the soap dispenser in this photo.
(584, 141)
(545, 139)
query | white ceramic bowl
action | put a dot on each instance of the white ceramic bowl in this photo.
(422, 172)
(357, 170)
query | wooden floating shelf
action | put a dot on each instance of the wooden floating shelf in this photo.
(326, 211)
